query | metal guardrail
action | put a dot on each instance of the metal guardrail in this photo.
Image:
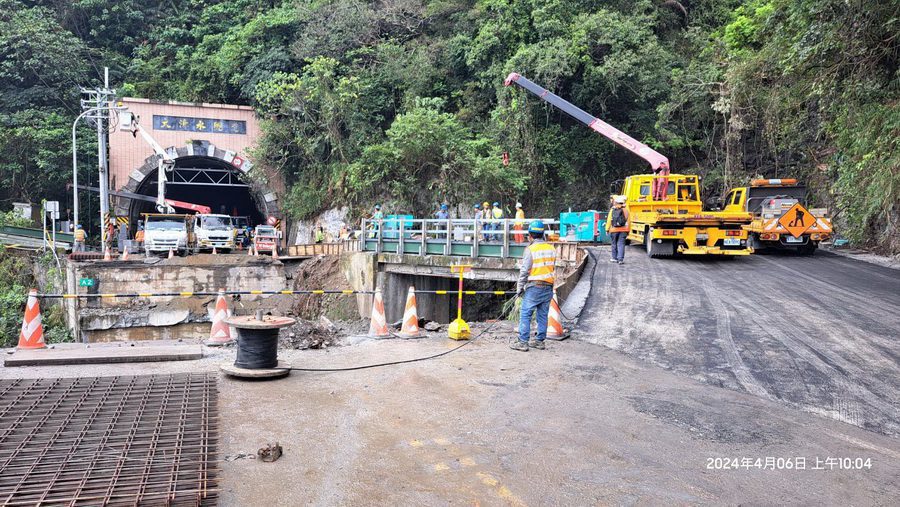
(503, 238)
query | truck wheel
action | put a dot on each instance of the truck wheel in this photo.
(808, 250)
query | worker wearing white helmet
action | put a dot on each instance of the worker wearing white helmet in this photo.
(520, 223)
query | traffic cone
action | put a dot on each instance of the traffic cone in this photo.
(219, 333)
(124, 255)
(32, 335)
(106, 255)
(215, 252)
(410, 328)
(275, 252)
(555, 329)
(378, 326)
(250, 251)
(171, 253)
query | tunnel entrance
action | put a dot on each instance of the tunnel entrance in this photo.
(203, 180)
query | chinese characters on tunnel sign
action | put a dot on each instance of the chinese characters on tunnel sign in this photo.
(212, 125)
(796, 220)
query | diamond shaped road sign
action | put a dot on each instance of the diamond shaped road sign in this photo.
(797, 220)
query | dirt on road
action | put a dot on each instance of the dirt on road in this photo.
(576, 424)
(818, 333)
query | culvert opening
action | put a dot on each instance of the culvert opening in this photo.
(483, 307)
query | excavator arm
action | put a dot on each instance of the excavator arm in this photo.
(658, 162)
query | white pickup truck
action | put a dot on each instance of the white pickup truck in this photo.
(214, 231)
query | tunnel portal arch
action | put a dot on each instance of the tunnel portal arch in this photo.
(203, 174)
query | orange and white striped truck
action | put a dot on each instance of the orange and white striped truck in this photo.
(780, 217)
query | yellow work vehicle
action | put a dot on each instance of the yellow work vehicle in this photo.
(780, 218)
(677, 223)
(665, 211)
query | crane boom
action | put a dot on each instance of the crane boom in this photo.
(658, 162)
(166, 162)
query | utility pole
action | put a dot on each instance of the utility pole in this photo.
(96, 105)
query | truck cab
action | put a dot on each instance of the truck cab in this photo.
(678, 223)
(165, 232)
(767, 200)
(214, 231)
(265, 238)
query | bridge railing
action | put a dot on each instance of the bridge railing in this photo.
(505, 237)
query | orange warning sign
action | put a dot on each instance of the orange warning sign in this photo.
(797, 220)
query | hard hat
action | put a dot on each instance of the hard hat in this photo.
(444, 207)
(477, 206)
(496, 204)
(518, 205)
(377, 206)
(487, 204)
(536, 227)
(619, 199)
(78, 226)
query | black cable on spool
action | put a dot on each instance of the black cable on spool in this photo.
(257, 349)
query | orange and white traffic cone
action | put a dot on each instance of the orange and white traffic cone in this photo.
(124, 256)
(171, 253)
(555, 329)
(410, 328)
(214, 251)
(219, 333)
(32, 335)
(274, 252)
(378, 326)
(250, 251)
(106, 255)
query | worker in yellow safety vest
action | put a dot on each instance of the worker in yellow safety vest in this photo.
(520, 223)
(80, 237)
(535, 285)
(497, 214)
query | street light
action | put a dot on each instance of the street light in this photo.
(75, 165)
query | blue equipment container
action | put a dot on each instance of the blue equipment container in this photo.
(392, 226)
(587, 226)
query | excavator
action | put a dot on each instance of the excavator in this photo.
(665, 211)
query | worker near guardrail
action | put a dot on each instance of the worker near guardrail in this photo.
(535, 285)
(520, 223)
(377, 217)
(442, 214)
(617, 228)
(320, 234)
(497, 214)
(80, 238)
(479, 216)
(486, 209)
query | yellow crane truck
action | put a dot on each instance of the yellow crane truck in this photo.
(665, 211)
(780, 218)
(677, 223)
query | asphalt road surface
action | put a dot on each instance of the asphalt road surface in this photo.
(817, 333)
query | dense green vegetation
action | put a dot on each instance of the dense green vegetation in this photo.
(402, 100)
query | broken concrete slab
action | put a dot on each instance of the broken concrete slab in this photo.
(83, 354)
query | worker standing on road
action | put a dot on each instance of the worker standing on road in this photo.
(520, 223)
(139, 237)
(535, 285)
(80, 238)
(497, 214)
(617, 227)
